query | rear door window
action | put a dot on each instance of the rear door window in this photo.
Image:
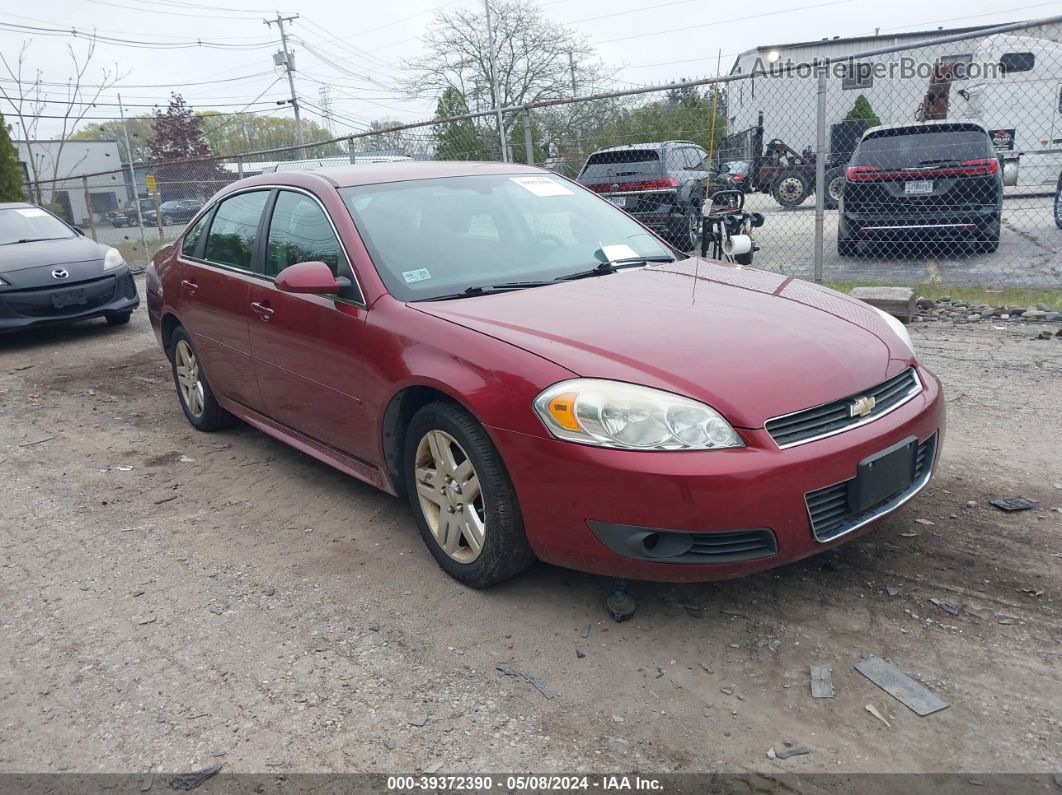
(911, 150)
(234, 229)
(624, 163)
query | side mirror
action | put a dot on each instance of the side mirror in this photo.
(313, 278)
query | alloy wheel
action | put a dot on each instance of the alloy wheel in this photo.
(188, 378)
(836, 188)
(450, 496)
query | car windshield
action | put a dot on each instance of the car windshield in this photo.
(26, 224)
(438, 237)
(914, 149)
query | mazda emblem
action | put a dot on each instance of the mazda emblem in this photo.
(60, 273)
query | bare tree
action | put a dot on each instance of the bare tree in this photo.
(29, 101)
(536, 59)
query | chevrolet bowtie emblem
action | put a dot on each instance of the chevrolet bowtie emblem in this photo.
(862, 406)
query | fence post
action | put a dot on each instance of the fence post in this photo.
(88, 207)
(820, 171)
(350, 151)
(239, 165)
(529, 146)
(158, 216)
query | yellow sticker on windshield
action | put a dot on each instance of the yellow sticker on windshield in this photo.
(542, 186)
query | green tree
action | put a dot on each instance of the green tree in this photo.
(140, 131)
(862, 111)
(458, 140)
(249, 132)
(10, 171)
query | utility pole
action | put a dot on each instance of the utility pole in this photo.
(132, 175)
(494, 84)
(575, 93)
(288, 61)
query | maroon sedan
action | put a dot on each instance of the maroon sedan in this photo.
(541, 376)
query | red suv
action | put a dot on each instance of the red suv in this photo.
(539, 374)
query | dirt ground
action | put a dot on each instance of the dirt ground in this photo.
(171, 599)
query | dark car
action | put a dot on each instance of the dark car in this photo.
(539, 375)
(930, 182)
(51, 273)
(127, 215)
(663, 185)
(177, 211)
(733, 176)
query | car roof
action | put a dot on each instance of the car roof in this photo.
(647, 145)
(379, 173)
(943, 125)
(15, 205)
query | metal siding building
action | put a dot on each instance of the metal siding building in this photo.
(76, 158)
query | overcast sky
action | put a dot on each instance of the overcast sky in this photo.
(358, 48)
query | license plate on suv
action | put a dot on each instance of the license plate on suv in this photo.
(921, 186)
(619, 201)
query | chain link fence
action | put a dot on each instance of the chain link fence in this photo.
(929, 198)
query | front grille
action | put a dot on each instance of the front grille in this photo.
(731, 547)
(828, 508)
(831, 418)
(127, 286)
(40, 303)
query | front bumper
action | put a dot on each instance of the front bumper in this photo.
(113, 293)
(751, 501)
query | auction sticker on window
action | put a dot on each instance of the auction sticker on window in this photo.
(542, 186)
(418, 275)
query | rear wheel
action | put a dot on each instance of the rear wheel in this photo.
(167, 220)
(461, 496)
(834, 181)
(197, 398)
(686, 231)
(791, 188)
(987, 241)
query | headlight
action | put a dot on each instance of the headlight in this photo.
(899, 328)
(112, 259)
(629, 417)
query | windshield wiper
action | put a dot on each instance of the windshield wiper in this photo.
(468, 292)
(614, 265)
(31, 240)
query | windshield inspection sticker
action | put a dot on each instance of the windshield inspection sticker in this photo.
(418, 275)
(618, 251)
(32, 212)
(542, 186)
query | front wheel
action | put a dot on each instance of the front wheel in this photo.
(686, 231)
(791, 188)
(462, 499)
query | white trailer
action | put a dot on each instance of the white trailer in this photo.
(1020, 103)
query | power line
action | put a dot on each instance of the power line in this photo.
(197, 15)
(146, 85)
(120, 42)
(355, 51)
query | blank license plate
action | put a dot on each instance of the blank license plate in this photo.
(918, 186)
(68, 298)
(883, 475)
(619, 201)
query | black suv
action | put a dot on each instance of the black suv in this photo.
(174, 212)
(663, 185)
(928, 182)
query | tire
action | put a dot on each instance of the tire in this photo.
(167, 220)
(437, 501)
(791, 188)
(988, 238)
(118, 318)
(834, 182)
(743, 259)
(686, 232)
(204, 413)
(1058, 203)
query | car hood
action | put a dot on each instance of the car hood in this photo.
(20, 256)
(750, 343)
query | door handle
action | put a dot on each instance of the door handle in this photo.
(189, 286)
(262, 309)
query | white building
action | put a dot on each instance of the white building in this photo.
(68, 162)
(896, 83)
